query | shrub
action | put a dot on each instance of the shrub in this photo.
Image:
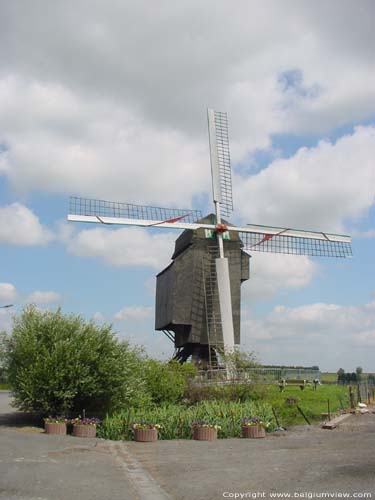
(235, 391)
(58, 363)
(167, 382)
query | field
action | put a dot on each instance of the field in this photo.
(313, 403)
(4, 387)
(329, 377)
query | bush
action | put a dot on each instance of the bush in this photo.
(235, 391)
(59, 363)
(167, 382)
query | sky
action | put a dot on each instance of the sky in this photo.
(108, 100)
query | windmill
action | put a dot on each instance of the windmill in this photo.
(252, 237)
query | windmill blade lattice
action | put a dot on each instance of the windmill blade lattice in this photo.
(263, 242)
(100, 208)
(220, 160)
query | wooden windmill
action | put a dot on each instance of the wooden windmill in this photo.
(223, 239)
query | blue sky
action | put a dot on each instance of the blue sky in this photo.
(116, 111)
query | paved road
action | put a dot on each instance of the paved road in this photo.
(34, 466)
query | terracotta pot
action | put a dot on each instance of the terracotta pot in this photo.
(55, 428)
(84, 431)
(253, 431)
(204, 434)
(145, 435)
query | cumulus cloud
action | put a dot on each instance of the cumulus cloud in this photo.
(7, 292)
(317, 188)
(329, 335)
(134, 313)
(125, 247)
(98, 316)
(20, 226)
(118, 112)
(48, 297)
(270, 273)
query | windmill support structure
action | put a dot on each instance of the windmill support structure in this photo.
(223, 283)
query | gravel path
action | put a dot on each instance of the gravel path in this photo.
(303, 462)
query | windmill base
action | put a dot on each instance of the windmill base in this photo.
(203, 356)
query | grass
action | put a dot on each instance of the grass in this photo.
(4, 387)
(176, 419)
(313, 403)
(328, 377)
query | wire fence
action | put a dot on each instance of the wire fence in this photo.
(258, 375)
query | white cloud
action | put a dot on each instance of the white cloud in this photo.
(7, 292)
(125, 247)
(116, 111)
(20, 226)
(317, 188)
(270, 273)
(98, 316)
(135, 313)
(49, 297)
(329, 335)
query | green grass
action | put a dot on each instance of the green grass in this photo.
(313, 403)
(328, 377)
(4, 387)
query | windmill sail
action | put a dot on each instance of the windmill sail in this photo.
(295, 242)
(109, 212)
(220, 160)
(254, 237)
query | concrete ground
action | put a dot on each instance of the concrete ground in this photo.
(302, 462)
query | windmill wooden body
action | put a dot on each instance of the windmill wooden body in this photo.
(179, 314)
(187, 308)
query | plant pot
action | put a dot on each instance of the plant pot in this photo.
(253, 431)
(145, 435)
(55, 428)
(204, 434)
(84, 431)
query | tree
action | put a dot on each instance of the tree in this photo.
(167, 382)
(359, 372)
(341, 376)
(59, 363)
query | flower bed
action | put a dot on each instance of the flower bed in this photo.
(55, 425)
(145, 432)
(205, 431)
(85, 427)
(254, 427)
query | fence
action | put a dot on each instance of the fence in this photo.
(257, 375)
(364, 392)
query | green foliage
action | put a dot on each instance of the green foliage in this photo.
(58, 363)
(239, 360)
(235, 391)
(3, 376)
(176, 420)
(167, 382)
